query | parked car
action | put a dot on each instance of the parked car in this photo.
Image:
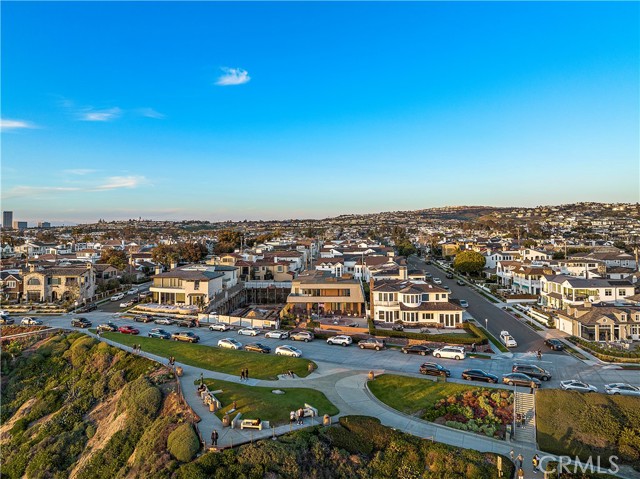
(460, 282)
(6, 320)
(397, 327)
(143, 318)
(88, 308)
(219, 327)
(463, 303)
(126, 304)
(420, 349)
(133, 291)
(128, 330)
(437, 281)
(575, 385)
(554, 344)
(451, 352)
(29, 321)
(107, 327)
(450, 275)
(479, 375)
(622, 388)
(305, 336)
(159, 333)
(257, 348)
(507, 339)
(434, 369)
(286, 350)
(185, 323)
(165, 321)
(187, 336)
(531, 370)
(248, 331)
(372, 343)
(341, 340)
(229, 343)
(80, 323)
(446, 286)
(520, 379)
(117, 297)
(277, 334)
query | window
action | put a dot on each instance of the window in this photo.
(607, 292)
(622, 292)
(381, 315)
(279, 269)
(196, 285)
(33, 282)
(425, 297)
(427, 315)
(11, 284)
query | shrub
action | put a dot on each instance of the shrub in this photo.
(341, 438)
(183, 443)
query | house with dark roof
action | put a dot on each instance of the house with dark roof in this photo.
(560, 291)
(414, 303)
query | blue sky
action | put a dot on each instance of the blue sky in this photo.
(306, 110)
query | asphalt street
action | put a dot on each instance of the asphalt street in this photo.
(561, 366)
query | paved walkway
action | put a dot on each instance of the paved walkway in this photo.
(347, 390)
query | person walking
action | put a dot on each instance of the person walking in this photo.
(242, 375)
(519, 461)
(214, 438)
(300, 416)
(518, 419)
(523, 420)
(246, 373)
(292, 417)
(533, 386)
(512, 456)
(535, 462)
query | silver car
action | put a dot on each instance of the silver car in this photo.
(622, 388)
(575, 385)
(277, 334)
(219, 327)
(229, 343)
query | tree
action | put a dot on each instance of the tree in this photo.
(115, 257)
(192, 252)
(469, 262)
(165, 254)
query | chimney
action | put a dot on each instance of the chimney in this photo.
(174, 265)
(403, 272)
(158, 269)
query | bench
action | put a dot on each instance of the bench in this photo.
(309, 411)
(251, 423)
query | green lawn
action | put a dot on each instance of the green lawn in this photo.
(594, 424)
(413, 395)
(261, 366)
(260, 403)
(495, 341)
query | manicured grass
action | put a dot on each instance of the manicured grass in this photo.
(494, 340)
(594, 424)
(260, 403)
(261, 366)
(413, 395)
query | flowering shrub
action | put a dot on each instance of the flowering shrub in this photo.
(482, 411)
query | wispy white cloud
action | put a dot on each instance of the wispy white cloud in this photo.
(150, 113)
(23, 191)
(6, 124)
(233, 76)
(79, 171)
(115, 182)
(89, 114)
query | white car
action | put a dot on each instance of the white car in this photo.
(277, 334)
(286, 350)
(30, 321)
(117, 297)
(219, 327)
(341, 340)
(463, 303)
(451, 352)
(305, 336)
(507, 339)
(229, 343)
(622, 388)
(126, 304)
(575, 385)
(248, 331)
(133, 291)
(437, 281)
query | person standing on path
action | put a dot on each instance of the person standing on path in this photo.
(242, 375)
(523, 421)
(520, 473)
(214, 438)
(512, 456)
(292, 417)
(535, 462)
(300, 416)
(519, 461)
(246, 374)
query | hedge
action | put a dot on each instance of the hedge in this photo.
(607, 354)
(479, 336)
(183, 443)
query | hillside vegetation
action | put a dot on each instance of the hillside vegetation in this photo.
(76, 407)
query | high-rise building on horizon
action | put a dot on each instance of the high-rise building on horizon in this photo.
(7, 219)
(20, 225)
(44, 224)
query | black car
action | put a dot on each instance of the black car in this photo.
(479, 375)
(450, 275)
(417, 349)
(397, 327)
(89, 307)
(554, 344)
(532, 370)
(520, 379)
(257, 348)
(143, 318)
(434, 369)
(80, 323)
(6, 320)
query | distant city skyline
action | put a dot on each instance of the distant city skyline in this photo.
(221, 111)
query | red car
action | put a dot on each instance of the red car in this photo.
(128, 330)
